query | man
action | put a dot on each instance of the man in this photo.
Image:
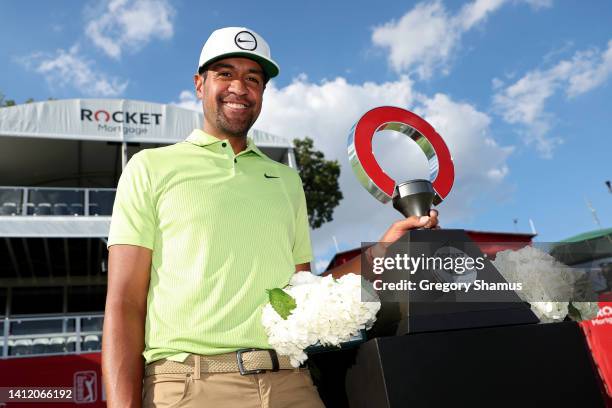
(200, 229)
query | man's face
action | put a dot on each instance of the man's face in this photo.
(231, 94)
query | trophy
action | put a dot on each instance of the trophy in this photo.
(427, 310)
(413, 197)
(451, 349)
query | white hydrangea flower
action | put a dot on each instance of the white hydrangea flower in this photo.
(549, 312)
(588, 310)
(300, 278)
(545, 281)
(328, 312)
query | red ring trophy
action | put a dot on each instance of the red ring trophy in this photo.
(450, 349)
(425, 310)
(413, 197)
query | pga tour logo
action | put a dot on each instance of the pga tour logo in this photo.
(85, 387)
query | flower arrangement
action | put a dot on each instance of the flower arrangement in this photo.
(545, 282)
(314, 310)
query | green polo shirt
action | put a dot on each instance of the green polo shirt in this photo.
(223, 228)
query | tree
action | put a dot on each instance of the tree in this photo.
(11, 102)
(6, 102)
(320, 179)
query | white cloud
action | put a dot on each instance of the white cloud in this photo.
(593, 69)
(538, 4)
(188, 100)
(523, 102)
(473, 13)
(480, 162)
(324, 111)
(420, 41)
(425, 39)
(69, 68)
(131, 25)
(496, 83)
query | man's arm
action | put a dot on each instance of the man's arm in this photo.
(302, 267)
(395, 232)
(124, 322)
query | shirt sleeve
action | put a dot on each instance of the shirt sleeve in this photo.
(133, 219)
(302, 249)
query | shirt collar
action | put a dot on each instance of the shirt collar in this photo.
(201, 138)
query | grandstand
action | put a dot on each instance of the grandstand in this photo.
(60, 162)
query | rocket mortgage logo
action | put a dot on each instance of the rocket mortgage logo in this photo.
(136, 123)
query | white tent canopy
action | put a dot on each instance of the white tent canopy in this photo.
(111, 120)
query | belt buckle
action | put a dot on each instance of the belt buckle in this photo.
(244, 371)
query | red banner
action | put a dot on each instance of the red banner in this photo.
(21, 378)
(599, 336)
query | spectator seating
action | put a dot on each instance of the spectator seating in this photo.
(60, 209)
(56, 345)
(94, 209)
(9, 208)
(43, 209)
(55, 208)
(61, 201)
(76, 209)
(40, 345)
(92, 343)
(49, 209)
(53, 345)
(71, 343)
(21, 347)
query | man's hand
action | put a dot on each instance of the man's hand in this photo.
(399, 228)
(394, 233)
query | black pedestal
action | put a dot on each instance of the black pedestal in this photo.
(416, 311)
(514, 366)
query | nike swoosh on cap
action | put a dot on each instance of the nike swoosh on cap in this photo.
(266, 176)
(239, 40)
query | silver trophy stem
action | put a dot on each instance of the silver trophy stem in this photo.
(414, 197)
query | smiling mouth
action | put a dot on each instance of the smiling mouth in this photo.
(236, 105)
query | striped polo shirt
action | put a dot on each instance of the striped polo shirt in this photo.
(223, 228)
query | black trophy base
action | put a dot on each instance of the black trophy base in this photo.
(513, 366)
(424, 311)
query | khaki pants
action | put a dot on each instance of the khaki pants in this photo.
(281, 389)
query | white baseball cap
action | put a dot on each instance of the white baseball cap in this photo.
(238, 42)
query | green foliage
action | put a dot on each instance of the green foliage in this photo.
(282, 302)
(320, 179)
(6, 102)
(10, 102)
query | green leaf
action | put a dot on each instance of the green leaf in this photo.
(282, 302)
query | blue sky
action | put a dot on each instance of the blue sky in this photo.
(519, 89)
